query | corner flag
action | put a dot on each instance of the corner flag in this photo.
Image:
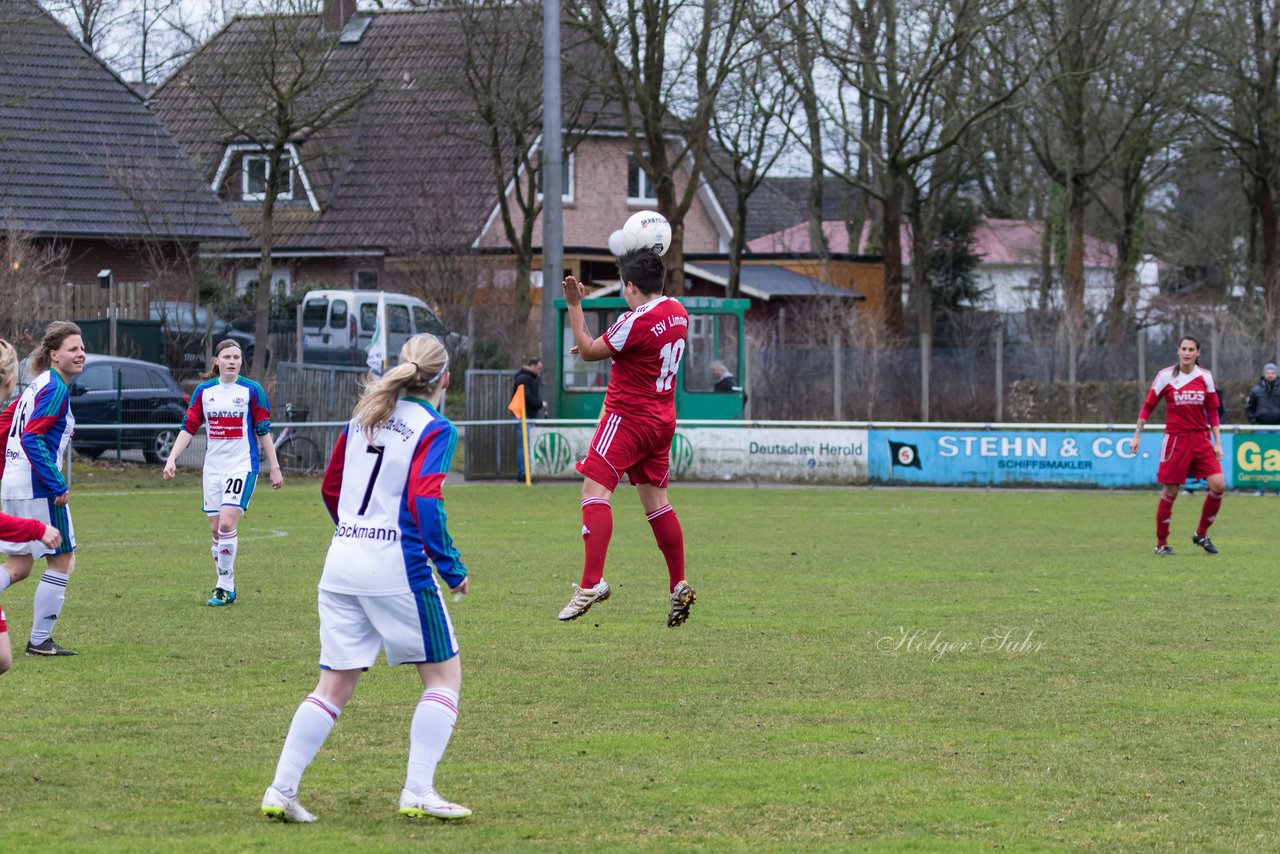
(517, 402)
(378, 346)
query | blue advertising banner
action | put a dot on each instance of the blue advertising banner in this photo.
(1013, 457)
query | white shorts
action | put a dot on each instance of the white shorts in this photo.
(228, 488)
(412, 628)
(43, 510)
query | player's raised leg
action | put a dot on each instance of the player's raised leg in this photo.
(670, 538)
(597, 530)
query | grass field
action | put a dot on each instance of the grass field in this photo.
(789, 713)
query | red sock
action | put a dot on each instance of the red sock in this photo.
(1212, 502)
(666, 530)
(1164, 515)
(597, 529)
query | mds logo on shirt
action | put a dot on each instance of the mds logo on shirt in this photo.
(1189, 398)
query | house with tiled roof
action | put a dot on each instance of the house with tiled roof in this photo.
(87, 171)
(1010, 272)
(372, 194)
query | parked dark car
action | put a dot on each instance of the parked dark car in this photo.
(182, 330)
(115, 390)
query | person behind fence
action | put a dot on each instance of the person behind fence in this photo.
(1263, 404)
(237, 419)
(32, 485)
(15, 528)
(1192, 442)
(377, 592)
(725, 381)
(637, 426)
(529, 376)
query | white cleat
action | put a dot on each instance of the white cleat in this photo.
(281, 808)
(430, 804)
(584, 598)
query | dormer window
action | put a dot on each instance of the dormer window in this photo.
(256, 172)
(245, 171)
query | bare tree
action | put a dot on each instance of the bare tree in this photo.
(667, 61)
(915, 62)
(274, 86)
(1240, 107)
(749, 132)
(498, 69)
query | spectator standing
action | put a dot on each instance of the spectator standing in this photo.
(529, 376)
(1263, 404)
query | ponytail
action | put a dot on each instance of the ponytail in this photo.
(424, 361)
(54, 335)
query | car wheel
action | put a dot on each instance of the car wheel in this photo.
(159, 445)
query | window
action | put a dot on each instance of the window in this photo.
(256, 171)
(247, 280)
(366, 280)
(566, 179)
(98, 378)
(136, 378)
(425, 321)
(368, 316)
(639, 188)
(338, 315)
(315, 313)
(398, 319)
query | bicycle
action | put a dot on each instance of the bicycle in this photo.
(294, 451)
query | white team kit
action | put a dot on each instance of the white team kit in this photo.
(35, 451)
(234, 415)
(377, 589)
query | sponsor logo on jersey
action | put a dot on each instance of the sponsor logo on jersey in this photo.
(366, 532)
(1189, 398)
(239, 401)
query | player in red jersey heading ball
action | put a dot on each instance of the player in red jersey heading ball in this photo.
(634, 436)
(1192, 443)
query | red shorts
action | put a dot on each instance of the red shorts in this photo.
(1184, 455)
(641, 449)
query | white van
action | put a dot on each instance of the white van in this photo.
(337, 325)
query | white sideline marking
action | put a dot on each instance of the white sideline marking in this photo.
(268, 534)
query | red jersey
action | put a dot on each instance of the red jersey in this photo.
(1191, 400)
(647, 344)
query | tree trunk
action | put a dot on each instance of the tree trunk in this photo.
(522, 300)
(1267, 216)
(892, 220)
(1073, 286)
(262, 302)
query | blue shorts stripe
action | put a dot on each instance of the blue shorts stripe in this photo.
(61, 519)
(250, 481)
(434, 625)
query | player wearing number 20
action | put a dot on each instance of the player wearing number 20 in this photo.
(237, 419)
(634, 436)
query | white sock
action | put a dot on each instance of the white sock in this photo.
(311, 725)
(47, 604)
(5, 579)
(228, 542)
(429, 734)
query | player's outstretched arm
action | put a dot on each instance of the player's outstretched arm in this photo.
(179, 445)
(590, 349)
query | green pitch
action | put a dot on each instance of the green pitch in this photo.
(923, 670)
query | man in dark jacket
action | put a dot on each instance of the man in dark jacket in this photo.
(1263, 405)
(529, 376)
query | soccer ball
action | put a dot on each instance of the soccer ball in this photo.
(646, 229)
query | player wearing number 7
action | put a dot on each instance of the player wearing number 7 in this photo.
(635, 432)
(237, 419)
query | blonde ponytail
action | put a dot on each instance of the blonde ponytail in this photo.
(424, 361)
